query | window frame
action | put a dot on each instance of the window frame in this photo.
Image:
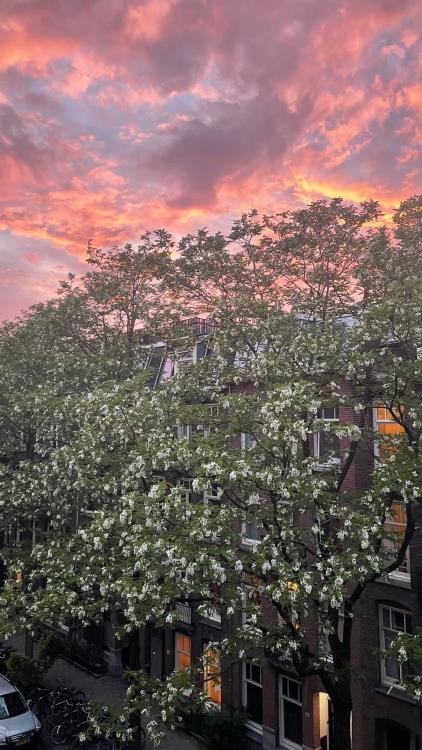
(245, 681)
(282, 698)
(331, 460)
(209, 682)
(386, 679)
(180, 652)
(211, 496)
(243, 441)
(396, 576)
(213, 410)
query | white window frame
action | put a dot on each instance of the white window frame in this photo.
(286, 742)
(385, 678)
(213, 409)
(185, 483)
(184, 431)
(244, 440)
(251, 541)
(245, 680)
(332, 460)
(400, 576)
(211, 495)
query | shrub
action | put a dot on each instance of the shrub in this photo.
(224, 730)
(49, 649)
(221, 730)
(23, 672)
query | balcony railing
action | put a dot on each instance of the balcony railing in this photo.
(184, 612)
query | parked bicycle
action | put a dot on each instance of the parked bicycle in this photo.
(115, 743)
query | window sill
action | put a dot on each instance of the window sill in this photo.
(395, 691)
(401, 583)
(248, 543)
(211, 621)
(254, 730)
(333, 466)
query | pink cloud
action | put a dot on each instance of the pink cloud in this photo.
(120, 115)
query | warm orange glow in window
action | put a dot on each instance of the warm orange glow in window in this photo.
(212, 675)
(396, 524)
(183, 652)
(386, 425)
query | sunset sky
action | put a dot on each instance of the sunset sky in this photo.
(118, 116)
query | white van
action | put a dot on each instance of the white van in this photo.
(18, 725)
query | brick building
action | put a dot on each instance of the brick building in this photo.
(283, 711)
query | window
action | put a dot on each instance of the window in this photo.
(327, 443)
(11, 705)
(251, 532)
(186, 487)
(396, 524)
(392, 622)
(252, 692)
(246, 441)
(291, 712)
(183, 655)
(212, 675)
(213, 494)
(184, 358)
(213, 410)
(385, 424)
(184, 431)
(167, 369)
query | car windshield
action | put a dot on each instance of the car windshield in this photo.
(11, 704)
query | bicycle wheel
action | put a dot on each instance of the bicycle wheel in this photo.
(59, 734)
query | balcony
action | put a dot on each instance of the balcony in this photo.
(184, 612)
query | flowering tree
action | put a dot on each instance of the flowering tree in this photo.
(310, 323)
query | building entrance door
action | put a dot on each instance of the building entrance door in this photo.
(396, 738)
(325, 722)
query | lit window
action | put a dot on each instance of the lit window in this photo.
(291, 712)
(212, 675)
(183, 655)
(396, 524)
(327, 443)
(252, 692)
(392, 622)
(385, 424)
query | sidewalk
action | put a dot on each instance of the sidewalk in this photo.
(112, 691)
(106, 688)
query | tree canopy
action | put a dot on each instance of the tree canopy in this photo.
(311, 314)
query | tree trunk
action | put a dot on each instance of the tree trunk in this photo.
(341, 736)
